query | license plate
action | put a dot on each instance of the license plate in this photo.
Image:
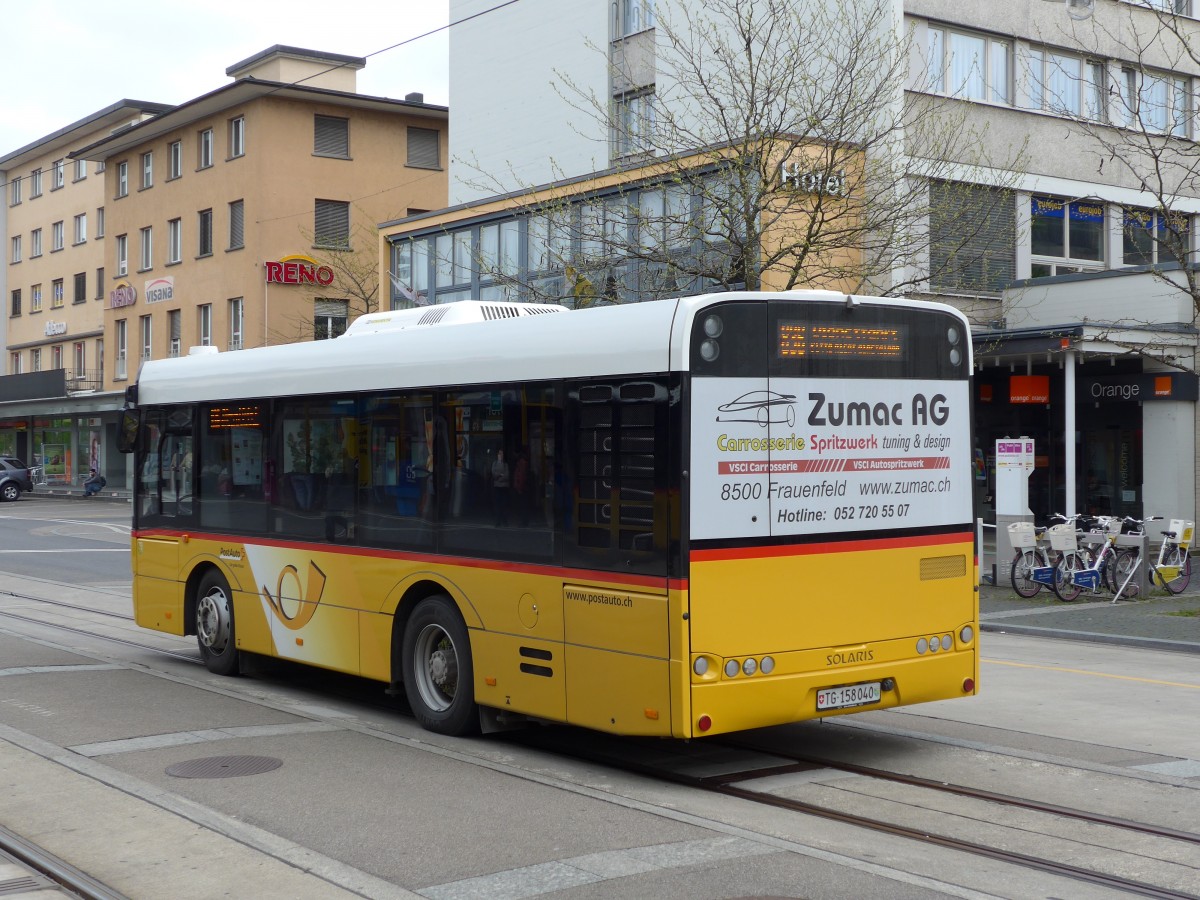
(849, 695)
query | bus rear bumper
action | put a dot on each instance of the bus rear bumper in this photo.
(758, 701)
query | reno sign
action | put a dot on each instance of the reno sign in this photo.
(298, 269)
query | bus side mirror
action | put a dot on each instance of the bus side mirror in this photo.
(127, 433)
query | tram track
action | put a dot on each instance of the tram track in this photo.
(47, 867)
(731, 784)
(734, 784)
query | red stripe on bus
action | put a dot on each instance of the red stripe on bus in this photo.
(675, 584)
(847, 546)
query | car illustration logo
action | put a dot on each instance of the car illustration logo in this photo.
(764, 407)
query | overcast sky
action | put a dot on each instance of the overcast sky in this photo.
(65, 59)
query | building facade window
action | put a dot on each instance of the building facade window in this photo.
(174, 241)
(80, 169)
(15, 255)
(204, 329)
(634, 16)
(636, 123)
(35, 359)
(145, 326)
(1179, 7)
(174, 332)
(100, 283)
(35, 298)
(122, 255)
(237, 225)
(14, 364)
(80, 357)
(331, 136)
(236, 310)
(57, 236)
(329, 318)
(424, 151)
(122, 179)
(237, 137)
(1066, 236)
(99, 221)
(81, 228)
(57, 174)
(1150, 238)
(14, 191)
(122, 349)
(56, 357)
(331, 227)
(35, 183)
(35, 243)
(147, 243)
(969, 66)
(174, 159)
(56, 294)
(1157, 102)
(147, 170)
(15, 309)
(205, 145)
(204, 246)
(80, 287)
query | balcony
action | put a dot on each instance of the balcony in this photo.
(84, 379)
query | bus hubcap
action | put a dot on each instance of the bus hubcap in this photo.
(212, 621)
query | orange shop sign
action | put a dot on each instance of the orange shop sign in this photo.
(298, 269)
(1029, 389)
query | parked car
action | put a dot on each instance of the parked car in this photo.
(14, 478)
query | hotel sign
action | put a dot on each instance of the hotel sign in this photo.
(833, 184)
(297, 269)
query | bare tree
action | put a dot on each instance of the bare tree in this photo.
(356, 277)
(1139, 113)
(789, 154)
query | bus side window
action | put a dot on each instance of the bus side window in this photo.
(233, 470)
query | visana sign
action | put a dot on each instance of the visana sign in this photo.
(814, 182)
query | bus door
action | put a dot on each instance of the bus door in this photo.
(163, 514)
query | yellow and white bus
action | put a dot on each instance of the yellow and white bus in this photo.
(675, 518)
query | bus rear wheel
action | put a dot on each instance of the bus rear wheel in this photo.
(439, 678)
(214, 625)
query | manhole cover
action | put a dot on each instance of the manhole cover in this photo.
(224, 766)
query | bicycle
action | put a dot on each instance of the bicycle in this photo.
(1032, 554)
(1173, 568)
(1072, 576)
(1064, 545)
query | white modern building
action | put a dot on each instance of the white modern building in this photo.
(1068, 103)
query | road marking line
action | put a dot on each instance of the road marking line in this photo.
(1016, 665)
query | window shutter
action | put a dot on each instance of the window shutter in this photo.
(176, 326)
(331, 308)
(332, 225)
(236, 224)
(332, 136)
(423, 148)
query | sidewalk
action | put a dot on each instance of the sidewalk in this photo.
(1159, 621)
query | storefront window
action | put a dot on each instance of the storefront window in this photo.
(1066, 235)
(53, 450)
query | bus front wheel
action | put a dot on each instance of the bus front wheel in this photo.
(439, 678)
(214, 625)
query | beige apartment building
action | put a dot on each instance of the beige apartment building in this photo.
(52, 221)
(247, 216)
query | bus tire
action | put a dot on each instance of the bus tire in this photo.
(214, 624)
(439, 678)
